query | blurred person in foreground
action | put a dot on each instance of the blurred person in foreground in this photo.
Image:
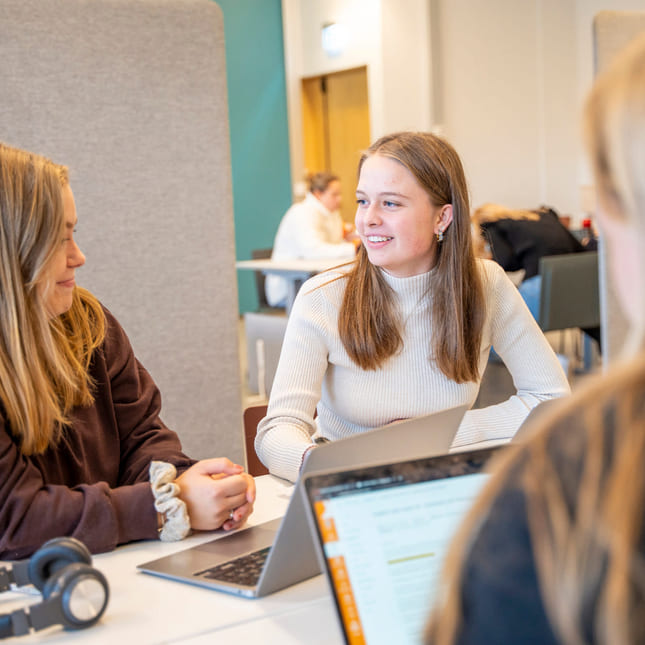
(553, 551)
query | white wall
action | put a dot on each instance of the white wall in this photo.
(504, 80)
(304, 56)
(585, 12)
(507, 98)
(390, 37)
(407, 83)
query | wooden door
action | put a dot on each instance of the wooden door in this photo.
(336, 128)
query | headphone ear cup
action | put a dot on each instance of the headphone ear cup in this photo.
(80, 594)
(53, 556)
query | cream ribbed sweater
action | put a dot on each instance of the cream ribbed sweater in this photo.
(314, 371)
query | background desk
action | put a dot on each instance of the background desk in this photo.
(149, 610)
(295, 271)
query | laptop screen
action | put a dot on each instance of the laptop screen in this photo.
(384, 532)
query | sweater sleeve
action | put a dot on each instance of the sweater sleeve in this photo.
(33, 510)
(285, 433)
(92, 484)
(535, 369)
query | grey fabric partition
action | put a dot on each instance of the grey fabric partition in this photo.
(612, 31)
(131, 95)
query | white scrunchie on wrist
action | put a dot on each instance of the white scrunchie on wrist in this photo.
(176, 524)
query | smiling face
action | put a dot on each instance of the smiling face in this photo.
(58, 287)
(395, 218)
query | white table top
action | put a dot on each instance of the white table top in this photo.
(289, 266)
(147, 609)
(294, 271)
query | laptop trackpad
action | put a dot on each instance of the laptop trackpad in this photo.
(237, 544)
(186, 563)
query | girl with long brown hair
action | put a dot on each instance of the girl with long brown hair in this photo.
(83, 451)
(554, 549)
(406, 329)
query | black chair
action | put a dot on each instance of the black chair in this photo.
(263, 305)
(569, 295)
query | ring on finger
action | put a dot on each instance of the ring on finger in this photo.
(231, 514)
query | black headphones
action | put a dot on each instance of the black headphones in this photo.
(75, 594)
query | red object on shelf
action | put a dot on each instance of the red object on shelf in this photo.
(588, 239)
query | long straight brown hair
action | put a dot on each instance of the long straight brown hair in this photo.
(44, 361)
(368, 323)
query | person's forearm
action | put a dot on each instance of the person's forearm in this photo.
(100, 517)
(281, 447)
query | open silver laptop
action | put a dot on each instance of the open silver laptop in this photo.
(381, 534)
(261, 559)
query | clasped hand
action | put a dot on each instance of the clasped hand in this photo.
(217, 493)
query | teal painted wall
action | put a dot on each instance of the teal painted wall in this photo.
(259, 131)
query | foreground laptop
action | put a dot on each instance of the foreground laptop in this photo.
(381, 535)
(261, 559)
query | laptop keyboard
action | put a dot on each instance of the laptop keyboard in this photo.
(244, 570)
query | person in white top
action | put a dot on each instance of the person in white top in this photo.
(311, 229)
(407, 328)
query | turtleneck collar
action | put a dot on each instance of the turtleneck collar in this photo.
(412, 289)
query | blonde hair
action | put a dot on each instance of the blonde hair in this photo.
(587, 550)
(368, 323)
(44, 361)
(494, 212)
(490, 212)
(587, 542)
